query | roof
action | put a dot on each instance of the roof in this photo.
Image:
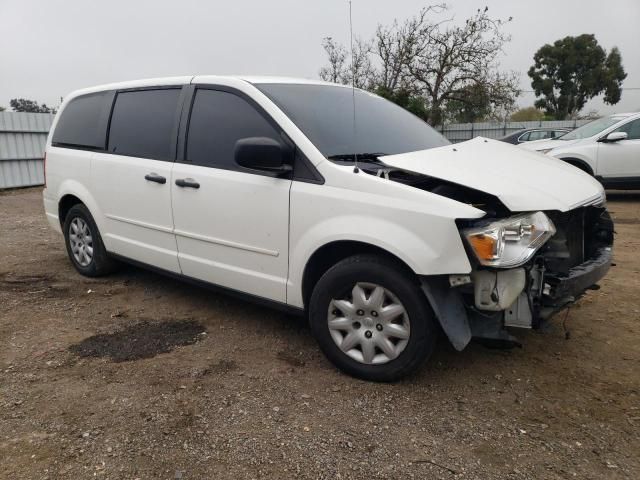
(163, 81)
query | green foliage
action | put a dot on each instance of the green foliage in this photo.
(403, 97)
(472, 103)
(2, 109)
(527, 114)
(572, 71)
(26, 105)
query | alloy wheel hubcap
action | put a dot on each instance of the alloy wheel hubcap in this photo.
(81, 241)
(371, 325)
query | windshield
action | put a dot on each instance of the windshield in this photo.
(591, 128)
(325, 114)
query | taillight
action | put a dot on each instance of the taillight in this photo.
(44, 167)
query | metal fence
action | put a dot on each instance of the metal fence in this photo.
(23, 137)
(22, 140)
(459, 132)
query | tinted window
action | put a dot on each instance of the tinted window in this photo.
(632, 129)
(83, 122)
(143, 124)
(325, 114)
(218, 120)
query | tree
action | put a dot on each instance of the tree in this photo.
(2, 109)
(428, 64)
(572, 71)
(25, 105)
(339, 71)
(527, 114)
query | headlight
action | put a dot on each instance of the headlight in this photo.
(509, 242)
(545, 150)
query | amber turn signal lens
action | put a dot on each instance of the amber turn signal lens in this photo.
(484, 246)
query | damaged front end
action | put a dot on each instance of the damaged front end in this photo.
(525, 266)
(573, 257)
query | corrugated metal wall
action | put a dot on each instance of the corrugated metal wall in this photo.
(22, 140)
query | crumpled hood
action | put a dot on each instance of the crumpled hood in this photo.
(522, 180)
(544, 144)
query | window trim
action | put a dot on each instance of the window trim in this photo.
(173, 146)
(185, 121)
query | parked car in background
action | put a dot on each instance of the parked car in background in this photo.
(260, 186)
(607, 148)
(532, 134)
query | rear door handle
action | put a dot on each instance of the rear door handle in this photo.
(187, 183)
(154, 177)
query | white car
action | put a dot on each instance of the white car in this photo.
(607, 148)
(379, 230)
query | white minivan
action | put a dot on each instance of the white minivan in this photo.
(373, 225)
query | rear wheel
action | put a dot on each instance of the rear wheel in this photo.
(84, 243)
(371, 319)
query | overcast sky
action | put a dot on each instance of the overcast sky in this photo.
(51, 47)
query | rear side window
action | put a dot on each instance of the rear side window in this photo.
(144, 124)
(218, 120)
(83, 122)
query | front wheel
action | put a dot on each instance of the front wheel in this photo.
(371, 318)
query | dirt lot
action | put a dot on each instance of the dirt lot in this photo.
(183, 383)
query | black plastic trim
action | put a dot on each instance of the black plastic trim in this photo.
(580, 277)
(623, 183)
(255, 299)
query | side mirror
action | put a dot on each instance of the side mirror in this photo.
(263, 154)
(614, 137)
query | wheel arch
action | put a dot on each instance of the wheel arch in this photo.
(331, 253)
(65, 204)
(579, 163)
(72, 192)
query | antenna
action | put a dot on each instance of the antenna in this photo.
(353, 94)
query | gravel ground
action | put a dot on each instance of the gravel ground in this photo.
(139, 376)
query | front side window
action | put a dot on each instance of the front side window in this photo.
(591, 128)
(83, 122)
(143, 124)
(326, 116)
(632, 129)
(218, 120)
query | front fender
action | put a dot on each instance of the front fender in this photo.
(431, 246)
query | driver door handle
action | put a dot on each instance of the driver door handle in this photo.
(187, 183)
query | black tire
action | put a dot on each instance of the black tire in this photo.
(100, 264)
(386, 273)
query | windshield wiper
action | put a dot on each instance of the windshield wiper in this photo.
(352, 156)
